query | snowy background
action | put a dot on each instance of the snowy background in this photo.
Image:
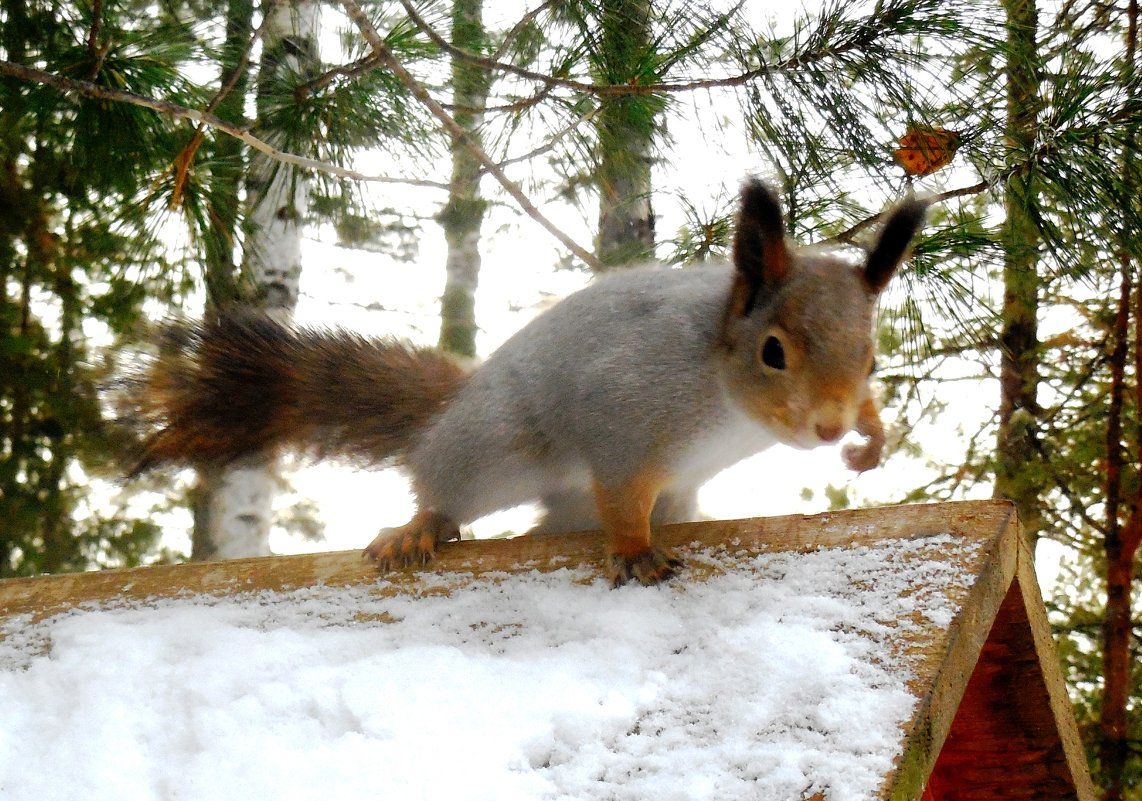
(780, 676)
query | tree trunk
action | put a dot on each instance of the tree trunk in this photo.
(233, 510)
(1122, 539)
(1118, 548)
(1117, 657)
(1017, 475)
(234, 506)
(228, 167)
(464, 213)
(277, 196)
(626, 129)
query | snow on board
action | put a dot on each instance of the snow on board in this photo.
(764, 675)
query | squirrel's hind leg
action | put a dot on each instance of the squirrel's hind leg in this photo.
(678, 505)
(567, 510)
(624, 512)
(413, 543)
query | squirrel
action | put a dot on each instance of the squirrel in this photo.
(611, 408)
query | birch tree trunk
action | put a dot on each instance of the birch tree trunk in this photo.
(464, 212)
(234, 509)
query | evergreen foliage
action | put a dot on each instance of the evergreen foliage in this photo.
(79, 260)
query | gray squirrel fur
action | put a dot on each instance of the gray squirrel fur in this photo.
(582, 393)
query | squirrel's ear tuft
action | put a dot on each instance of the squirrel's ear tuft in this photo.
(903, 223)
(760, 253)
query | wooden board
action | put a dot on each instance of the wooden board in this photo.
(45, 595)
(993, 718)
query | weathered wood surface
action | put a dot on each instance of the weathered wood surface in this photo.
(50, 594)
(993, 719)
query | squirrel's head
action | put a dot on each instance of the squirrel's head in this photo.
(798, 321)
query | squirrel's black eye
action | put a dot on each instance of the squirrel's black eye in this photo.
(773, 354)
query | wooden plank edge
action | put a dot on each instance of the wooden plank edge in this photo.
(46, 595)
(1061, 706)
(932, 721)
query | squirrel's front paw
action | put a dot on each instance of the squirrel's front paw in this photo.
(646, 567)
(862, 457)
(866, 455)
(413, 543)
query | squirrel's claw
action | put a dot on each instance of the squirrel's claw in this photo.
(647, 568)
(413, 543)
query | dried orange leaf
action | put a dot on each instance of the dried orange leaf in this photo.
(922, 151)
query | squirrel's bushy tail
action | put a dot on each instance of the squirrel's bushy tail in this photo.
(244, 383)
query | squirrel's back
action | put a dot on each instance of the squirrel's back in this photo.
(618, 376)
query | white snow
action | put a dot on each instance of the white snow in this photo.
(781, 676)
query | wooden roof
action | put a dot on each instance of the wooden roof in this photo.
(993, 718)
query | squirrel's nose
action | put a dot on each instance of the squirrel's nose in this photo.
(829, 432)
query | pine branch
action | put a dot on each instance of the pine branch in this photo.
(243, 61)
(96, 92)
(793, 63)
(552, 142)
(390, 62)
(481, 61)
(353, 70)
(1064, 486)
(519, 26)
(514, 107)
(1126, 115)
(847, 237)
(184, 159)
(95, 49)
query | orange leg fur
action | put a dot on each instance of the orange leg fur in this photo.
(624, 512)
(413, 543)
(866, 455)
